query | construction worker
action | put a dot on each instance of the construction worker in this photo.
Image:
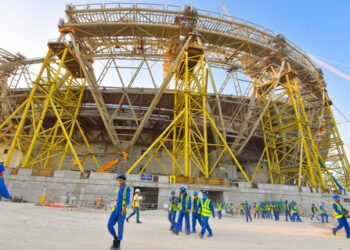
(324, 214)
(185, 207)
(173, 204)
(241, 208)
(340, 214)
(263, 210)
(314, 211)
(196, 212)
(219, 207)
(3, 190)
(287, 210)
(276, 211)
(256, 210)
(119, 211)
(295, 212)
(247, 212)
(207, 209)
(269, 210)
(136, 206)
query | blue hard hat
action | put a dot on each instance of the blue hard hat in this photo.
(195, 192)
(336, 197)
(182, 189)
(205, 192)
(172, 191)
(121, 176)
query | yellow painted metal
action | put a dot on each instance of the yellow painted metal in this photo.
(44, 135)
(185, 140)
(290, 150)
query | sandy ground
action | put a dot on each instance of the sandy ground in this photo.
(27, 227)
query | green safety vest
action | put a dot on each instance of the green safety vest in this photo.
(206, 212)
(336, 215)
(196, 202)
(294, 209)
(256, 207)
(124, 197)
(219, 207)
(187, 200)
(173, 206)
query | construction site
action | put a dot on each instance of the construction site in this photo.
(170, 96)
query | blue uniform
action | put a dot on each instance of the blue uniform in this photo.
(3, 190)
(205, 219)
(196, 214)
(324, 215)
(247, 212)
(343, 222)
(117, 215)
(185, 201)
(172, 211)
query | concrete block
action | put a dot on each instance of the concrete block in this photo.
(24, 172)
(72, 175)
(244, 185)
(59, 174)
(163, 179)
(101, 176)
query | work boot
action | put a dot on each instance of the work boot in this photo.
(210, 235)
(127, 219)
(334, 233)
(139, 222)
(201, 235)
(174, 232)
(116, 244)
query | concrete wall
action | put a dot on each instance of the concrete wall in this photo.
(68, 183)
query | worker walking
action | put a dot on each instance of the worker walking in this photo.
(173, 204)
(207, 209)
(287, 210)
(276, 211)
(256, 210)
(247, 212)
(324, 214)
(314, 211)
(196, 212)
(219, 206)
(119, 211)
(295, 212)
(185, 207)
(136, 206)
(340, 214)
(3, 190)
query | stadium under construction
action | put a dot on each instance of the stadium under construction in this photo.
(174, 94)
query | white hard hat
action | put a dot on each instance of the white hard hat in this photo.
(137, 190)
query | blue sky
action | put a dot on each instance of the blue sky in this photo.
(319, 27)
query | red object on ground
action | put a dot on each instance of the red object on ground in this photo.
(55, 205)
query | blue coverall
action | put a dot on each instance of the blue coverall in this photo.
(196, 214)
(184, 212)
(117, 214)
(205, 220)
(324, 214)
(343, 222)
(247, 212)
(295, 213)
(3, 190)
(172, 211)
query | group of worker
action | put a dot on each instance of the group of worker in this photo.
(201, 209)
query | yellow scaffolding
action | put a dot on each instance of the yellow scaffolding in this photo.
(290, 151)
(44, 134)
(186, 139)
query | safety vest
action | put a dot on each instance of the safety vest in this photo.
(256, 207)
(196, 204)
(268, 208)
(136, 201)
(314, 209)
(322, 210)
(219, 207)
(336, 215)
(206, 211)
(294, 209)
(187, 200)
(173, 203)
(124, 197)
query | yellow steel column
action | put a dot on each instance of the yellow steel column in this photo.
(204, 110)
(186, 129)
(45, 108)
(26, 109)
